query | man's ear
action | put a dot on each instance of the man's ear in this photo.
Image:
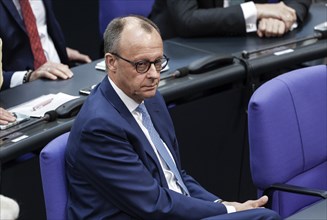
(110, 62)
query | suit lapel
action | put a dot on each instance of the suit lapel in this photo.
(160, 125)
(108, 91)
(14, 13)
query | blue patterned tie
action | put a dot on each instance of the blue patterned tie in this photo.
(146, 121)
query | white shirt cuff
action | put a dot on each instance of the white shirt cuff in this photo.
(250, 16)
(17, 78)
(229, 208)
(294, 26)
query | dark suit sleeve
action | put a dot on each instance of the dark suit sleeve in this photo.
(196, 190)
(185, 18)
(6, 79)
(301, 7)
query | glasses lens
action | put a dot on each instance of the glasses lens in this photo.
(142, 66)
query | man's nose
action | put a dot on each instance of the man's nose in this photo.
(152, 72)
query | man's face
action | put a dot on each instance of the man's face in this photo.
(136, 45)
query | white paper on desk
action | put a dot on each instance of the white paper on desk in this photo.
(102, 66)
(57, 100)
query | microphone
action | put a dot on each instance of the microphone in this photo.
(176, 74)
(48, 117)
(66, 110)
(203, 65)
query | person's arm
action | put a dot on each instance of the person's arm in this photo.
(189, 20)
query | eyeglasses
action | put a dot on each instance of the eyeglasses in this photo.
(143, 66)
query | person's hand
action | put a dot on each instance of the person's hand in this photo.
(51, 71)
(279, 11)
(250, 204)
(75, 55)
(6, 117)
(271, 27)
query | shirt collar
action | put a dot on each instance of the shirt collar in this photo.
(129, 102)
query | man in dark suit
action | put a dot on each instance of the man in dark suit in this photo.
(207, 18)
(114, 165)
(17, 53)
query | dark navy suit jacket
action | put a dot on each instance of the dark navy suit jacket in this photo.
(17, 54)
(113, 172)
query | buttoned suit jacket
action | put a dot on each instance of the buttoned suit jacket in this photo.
(207, 18)
(17, 52)
(113, 172)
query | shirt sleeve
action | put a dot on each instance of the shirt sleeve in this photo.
(229, 208)
(250, 16)
(17, 78)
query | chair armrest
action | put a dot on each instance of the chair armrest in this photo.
(292, 189)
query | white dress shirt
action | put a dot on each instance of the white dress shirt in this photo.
(46, 41)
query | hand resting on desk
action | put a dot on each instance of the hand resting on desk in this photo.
(51, 71)
(6, 117)
(54, 71)
(275, 20)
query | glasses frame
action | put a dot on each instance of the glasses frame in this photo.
(136, 64)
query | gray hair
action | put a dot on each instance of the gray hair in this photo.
(114, 29)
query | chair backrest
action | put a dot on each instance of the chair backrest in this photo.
(288, 135)
(110, 9)
(52, 165)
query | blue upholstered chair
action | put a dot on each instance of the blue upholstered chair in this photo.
(288, 139)
(52, 165)
(110, 9)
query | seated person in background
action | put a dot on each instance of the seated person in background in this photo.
(121, 166)
(48, 56)
(5, 116)
(208, 18)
